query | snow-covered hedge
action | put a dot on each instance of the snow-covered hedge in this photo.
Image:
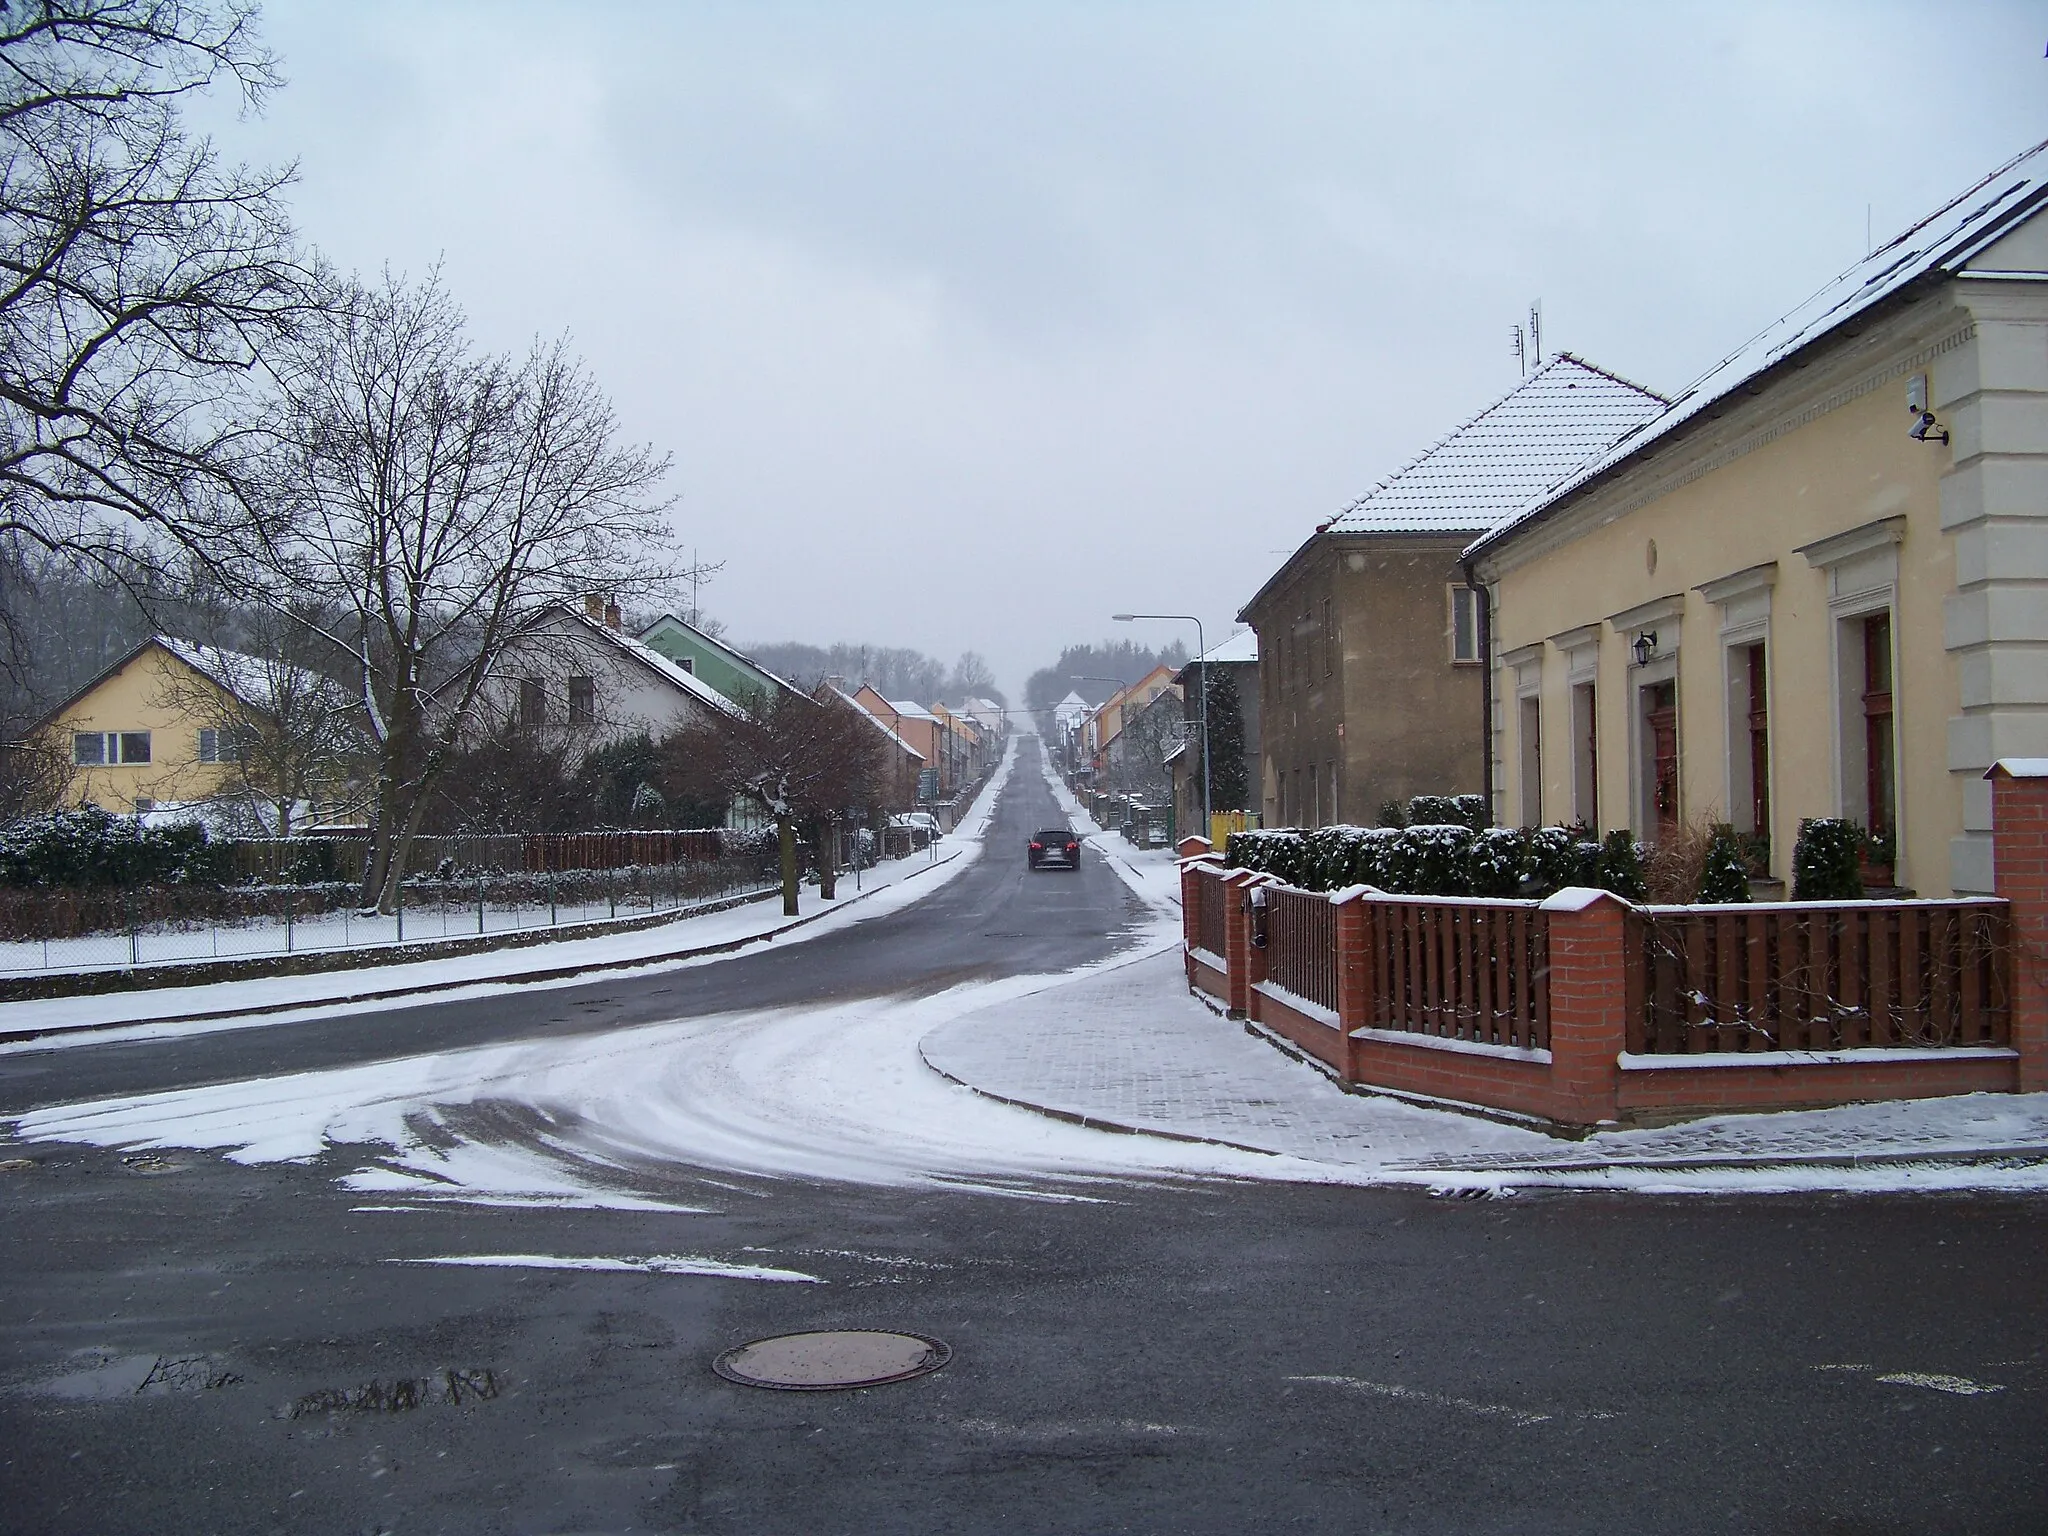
(1443, 859)
(92, 847)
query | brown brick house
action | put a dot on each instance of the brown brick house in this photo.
(1371, 677)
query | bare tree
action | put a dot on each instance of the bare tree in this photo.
(444, 503)
(281, 733)
(800, 762)
(139, 277)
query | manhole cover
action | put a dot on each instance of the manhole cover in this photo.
(831, 1361)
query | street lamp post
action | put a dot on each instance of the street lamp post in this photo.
(1201, 682)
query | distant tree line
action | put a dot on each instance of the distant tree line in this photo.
(895, 672)
(1081, 666)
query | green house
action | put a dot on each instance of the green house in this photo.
(731, 672)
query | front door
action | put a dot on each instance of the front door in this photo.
(1663, 722)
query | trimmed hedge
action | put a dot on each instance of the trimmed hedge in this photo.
(1443, 859)
(93, 847)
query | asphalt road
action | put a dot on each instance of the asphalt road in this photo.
(192, 1345)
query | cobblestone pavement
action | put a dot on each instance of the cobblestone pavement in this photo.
(1130, 1049)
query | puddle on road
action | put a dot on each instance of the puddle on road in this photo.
(116, 1376)
(449, 1389)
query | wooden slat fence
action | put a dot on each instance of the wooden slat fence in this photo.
(1212, 912)
(1477, 971)
(1301, 943)
(1814, 977)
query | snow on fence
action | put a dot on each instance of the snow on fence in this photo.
(1584, 1008)
(1301, 944)
(1476, 971)
(1209, 922)
(1811, 977)
(281, 859)
(97, 929)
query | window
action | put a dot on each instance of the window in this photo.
(533, 701)
(582, 700)
(1464, 626)
(233, 745)
(689, 665)
(1315, 799)
(1586, 754)
(92, 748)
(1531, 706)
(1329, 641)
(1880, 772)
(1758, 738)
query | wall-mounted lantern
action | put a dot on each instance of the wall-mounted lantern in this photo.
(1645, 647)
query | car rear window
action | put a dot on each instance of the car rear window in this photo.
(1054, 835)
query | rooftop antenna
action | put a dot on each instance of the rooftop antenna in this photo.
(1869, 235)
(1521, 347)
(696, 583)
(1536, 333)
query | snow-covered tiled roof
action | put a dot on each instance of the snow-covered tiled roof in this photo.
(1937, 246)
(912, 711)
(1489, 468)
(251, 679)
(873, 719)
(657, 663)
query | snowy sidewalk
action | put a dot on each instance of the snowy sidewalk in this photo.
(1128, 1049)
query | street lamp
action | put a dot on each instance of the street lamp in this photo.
(1201, 682)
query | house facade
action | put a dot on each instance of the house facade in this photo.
(1818, 584)
(902, 761)
(582, 674)
(1371, 675)
(176, 725)
(732, 672)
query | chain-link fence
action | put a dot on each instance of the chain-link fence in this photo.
(114, 928)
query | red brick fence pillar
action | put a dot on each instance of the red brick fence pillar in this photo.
(1355, 979)
(2019, 864)
(1588, 1003)
(1247, 963)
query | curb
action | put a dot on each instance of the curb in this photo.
(558, 973)
(2021, 1153)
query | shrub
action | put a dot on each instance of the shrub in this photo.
(1467, 811)
(1827, 861)
(1724, 870)
(1501, 861)
(1620, 868)
(93, 847)
(1393, 814)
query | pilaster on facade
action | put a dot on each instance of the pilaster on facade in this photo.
(1991, 395)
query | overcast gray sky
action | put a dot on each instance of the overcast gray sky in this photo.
(969, 325)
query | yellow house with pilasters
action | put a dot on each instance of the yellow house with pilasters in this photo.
(1818, 584)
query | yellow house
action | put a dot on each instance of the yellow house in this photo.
(171, 723)
(1817, 585)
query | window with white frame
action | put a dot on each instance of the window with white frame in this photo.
(95, 748)
(1464, 626)
(230, 744)
(1862, 567)
(1745, 603)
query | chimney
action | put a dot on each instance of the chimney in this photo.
(611, 615)
(593, 607)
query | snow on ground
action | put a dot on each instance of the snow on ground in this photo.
(176, 1011)
(849, 1092)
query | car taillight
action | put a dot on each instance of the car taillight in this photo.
(1073, 847)
(1038, 847)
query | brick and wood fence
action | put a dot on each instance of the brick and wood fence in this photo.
(1586, 1010)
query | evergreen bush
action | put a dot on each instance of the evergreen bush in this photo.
(1621, 866)
(1724, 874)
(1827, 861)
(1393, 814)
(93, 847)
